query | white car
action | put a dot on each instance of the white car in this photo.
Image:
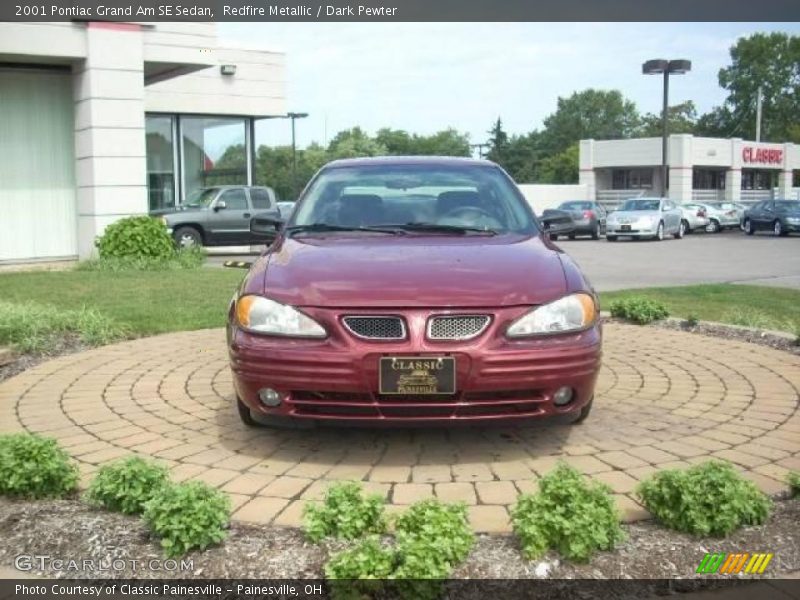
(723, 215)
(652, 218)
(695, 215)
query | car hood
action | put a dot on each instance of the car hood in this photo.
(414, 271)
(178, 210)
(633, 215)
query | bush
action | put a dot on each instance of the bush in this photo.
(32, 466)
(136, 237)
(707, 498)
(126, 485)
(570, 514)
(443, 529)
(39, 328)
(187, 516)
(182, 259)
(692, 320)
(639, 310)
(345, 513)
(360, 571)
(794, 483)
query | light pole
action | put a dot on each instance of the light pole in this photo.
(666, 67)
(294, 116)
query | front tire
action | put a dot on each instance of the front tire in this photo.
(778, 229)
(681, 230)
(611, 238)
(188, 237)
(244, 414)
(748, 227)
(596, 232)
(713, 227)
(660, 232)
(583, 414)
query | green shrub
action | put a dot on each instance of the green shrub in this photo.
(39, 328)
(361, 571)
(187, 516)
(692, 320)
(794, 483)
(189, 258)
(639, 310)
(345, 513)
(707, 498)
(126, 485)
(32, 466)
(136, 237)
(570, 514)
(442, 529)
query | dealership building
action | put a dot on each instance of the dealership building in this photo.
(103, 120)
(699, 169)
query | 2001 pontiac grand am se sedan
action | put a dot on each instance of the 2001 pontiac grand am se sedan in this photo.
(409, 290)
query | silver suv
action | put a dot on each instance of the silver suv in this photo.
(219, 215)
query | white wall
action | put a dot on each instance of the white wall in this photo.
(542, 196)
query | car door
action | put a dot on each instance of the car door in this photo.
(672, 217)
(229, 223)
(263, 202)
(766, 215)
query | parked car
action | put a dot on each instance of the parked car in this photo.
(652, 218)
(218, 216)
(589, 218)
(559, 222)
(723, 215)
(695, 216)
(285, 209)
(406, 290)
(779, 216)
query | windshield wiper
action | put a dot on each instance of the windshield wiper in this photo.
(323, 227)
(437, 228)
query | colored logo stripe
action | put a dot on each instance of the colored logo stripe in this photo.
(723, 563)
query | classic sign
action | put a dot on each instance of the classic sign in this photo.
(766, 156)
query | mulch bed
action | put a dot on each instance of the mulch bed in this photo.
(69, 529)
(20, 362)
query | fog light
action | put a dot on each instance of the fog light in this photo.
(562, 396)
(269, 397)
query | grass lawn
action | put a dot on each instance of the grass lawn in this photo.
(145, 302)
(748, 305)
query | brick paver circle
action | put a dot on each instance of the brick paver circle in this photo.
(664, 398)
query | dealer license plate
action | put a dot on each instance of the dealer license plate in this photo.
(418, 375)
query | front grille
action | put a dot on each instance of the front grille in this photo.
(376, 327)
(457, 327)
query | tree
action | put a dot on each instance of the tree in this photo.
(768, 60)
(597, 114)
(681, 118)
(498, 142)
(561, 167)
(352, 143)
(448, 142)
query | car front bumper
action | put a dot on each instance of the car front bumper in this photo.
(337, 379)
(634, 231)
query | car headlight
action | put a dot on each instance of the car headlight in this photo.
(570, 313)
(262, 315)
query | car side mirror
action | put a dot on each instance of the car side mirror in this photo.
(265, 225)
(221, 205)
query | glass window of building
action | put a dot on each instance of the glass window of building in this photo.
(214, 152)
(160, 161)
(632, 179)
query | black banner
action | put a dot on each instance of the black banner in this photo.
(401, 10)
(467, 589)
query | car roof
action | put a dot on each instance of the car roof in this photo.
(409, 160)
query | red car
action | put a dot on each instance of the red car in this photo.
(409, 290)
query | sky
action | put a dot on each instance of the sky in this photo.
(424, 77)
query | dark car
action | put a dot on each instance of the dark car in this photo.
(219, 216)
(781, 217)
(412, 289)
(588, 218)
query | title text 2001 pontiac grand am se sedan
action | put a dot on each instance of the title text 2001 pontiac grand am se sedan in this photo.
(410, 290)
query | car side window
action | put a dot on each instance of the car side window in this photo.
(260, 198)
(235, 199)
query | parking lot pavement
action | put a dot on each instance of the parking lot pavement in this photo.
(729, 257)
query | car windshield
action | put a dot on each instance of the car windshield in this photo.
(201, 198)
(576, 206)
(429, 198)
(787, 206)
(641, 204)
